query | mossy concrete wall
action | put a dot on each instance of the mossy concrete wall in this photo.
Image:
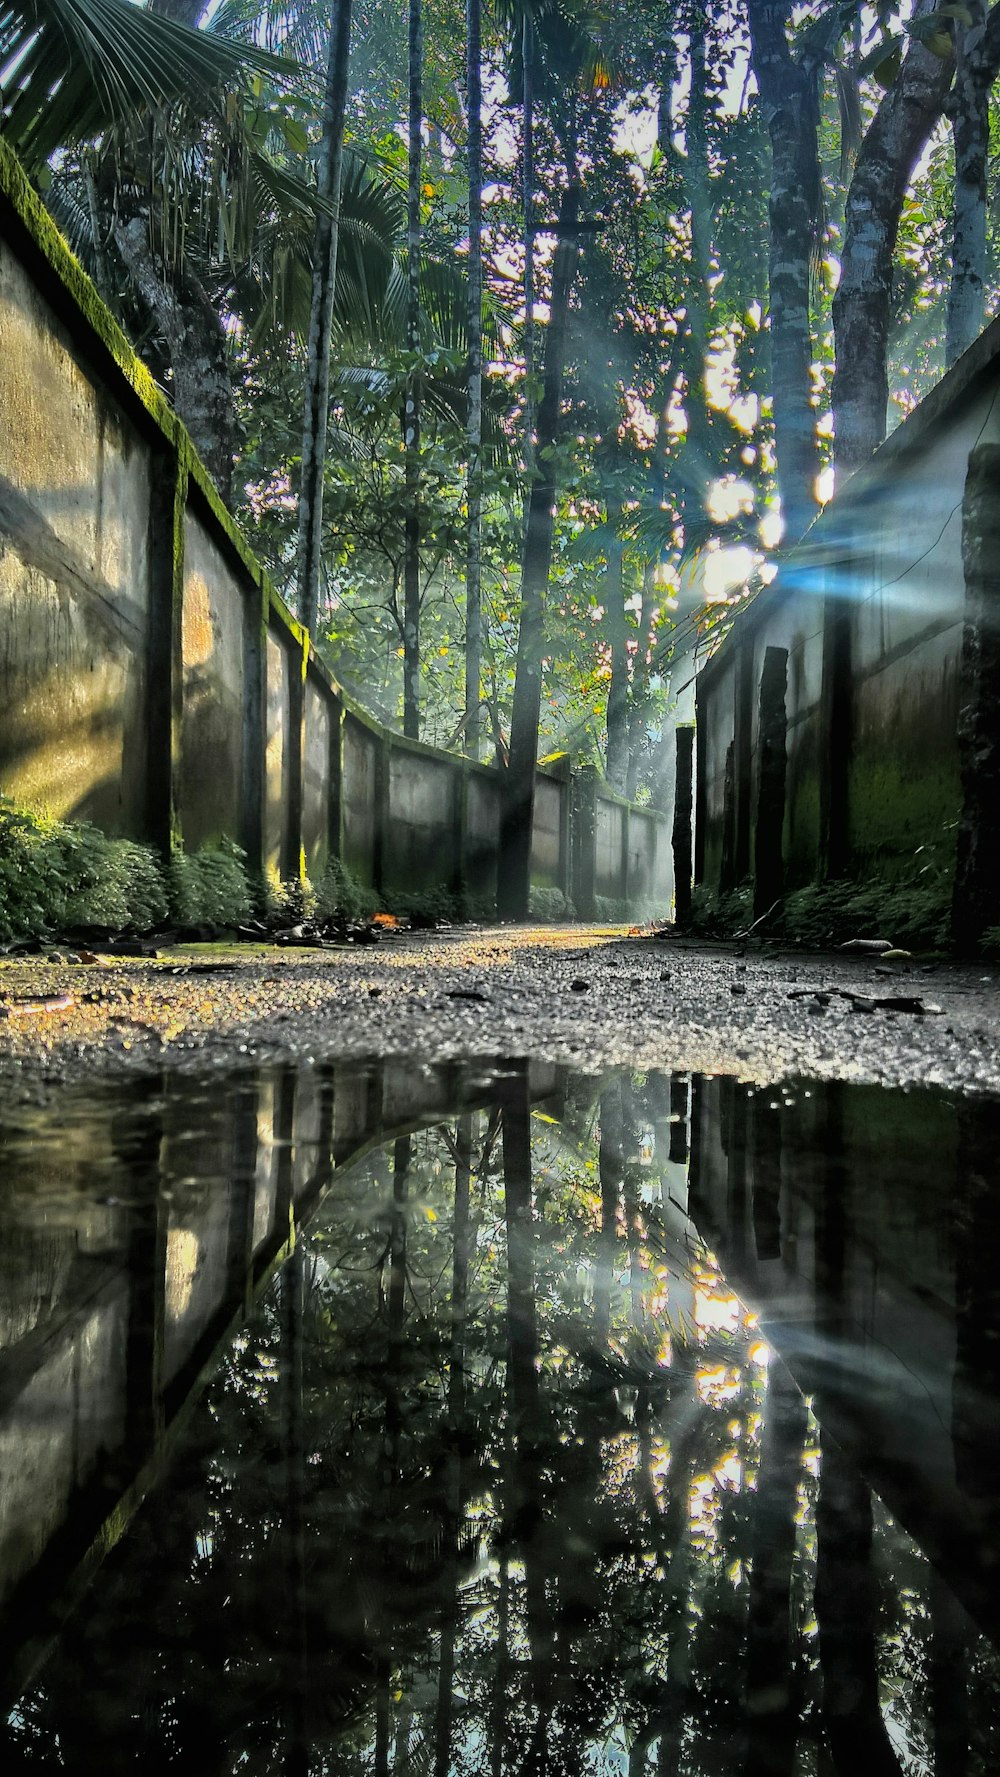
(152, 681)
(869, 608)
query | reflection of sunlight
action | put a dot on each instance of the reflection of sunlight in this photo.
(183, 1251)
(716, 1309)
(717, 1384)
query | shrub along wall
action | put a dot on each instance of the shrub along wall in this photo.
(155, 685)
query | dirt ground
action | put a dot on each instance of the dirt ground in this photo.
(589, 996)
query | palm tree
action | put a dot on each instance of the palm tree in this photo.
(72, 69)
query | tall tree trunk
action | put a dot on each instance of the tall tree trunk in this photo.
(528, 206)
(519, 778)
(697, 471)
(788, 99)
(977, 61)
(198, 353)
(324, 282)
(411, 413)
(771, 1639)
(614, 604)
(474, 548)
(456, 1432)
(861, 308)
(846, 1614)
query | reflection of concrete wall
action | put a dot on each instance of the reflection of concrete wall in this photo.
(111, 1310)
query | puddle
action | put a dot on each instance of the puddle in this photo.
(638, 1425)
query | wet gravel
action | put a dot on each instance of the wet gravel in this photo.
(587, 996)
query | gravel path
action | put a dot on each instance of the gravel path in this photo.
(588, 996)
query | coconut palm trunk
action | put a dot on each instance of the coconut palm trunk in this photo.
(324, 280)
(474, 544)
(411, 411)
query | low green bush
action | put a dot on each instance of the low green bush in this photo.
(56, 875)
(210, 886)
(339, 894)
(914, 914)
(549, 905)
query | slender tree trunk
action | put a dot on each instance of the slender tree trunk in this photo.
(528, 203)
(846, 1614)
(977, 60)
(474, 550)
(411, 415)
(198, 354)
(697, 470)
(788, 99)
(519, 778)
(771, 1638)
(639, 701)
(614, 604)
(456, 1423)
(861, 308)
(324, 283)
(610, 1169)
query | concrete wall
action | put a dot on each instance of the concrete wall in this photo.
(877, 583)
(150, 678)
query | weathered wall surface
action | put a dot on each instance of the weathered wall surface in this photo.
(869, 612)
(151, 679)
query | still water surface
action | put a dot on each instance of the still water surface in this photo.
(638, 1425)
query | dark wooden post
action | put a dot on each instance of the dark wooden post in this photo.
(976, 901)
(165, 658)
(727, 868)
(768, 861)
(837, 711)
(742, 761)
(683, 809)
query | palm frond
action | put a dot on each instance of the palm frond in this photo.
(72, 69)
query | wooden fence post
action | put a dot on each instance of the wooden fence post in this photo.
(683, 810)
(976, 900)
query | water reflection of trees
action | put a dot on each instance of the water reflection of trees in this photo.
(498, 1480)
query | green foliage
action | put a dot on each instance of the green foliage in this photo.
(914, 914)
(210, 886)
(55, 875)
(338, 892)
(720, 916)
(549, 904)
